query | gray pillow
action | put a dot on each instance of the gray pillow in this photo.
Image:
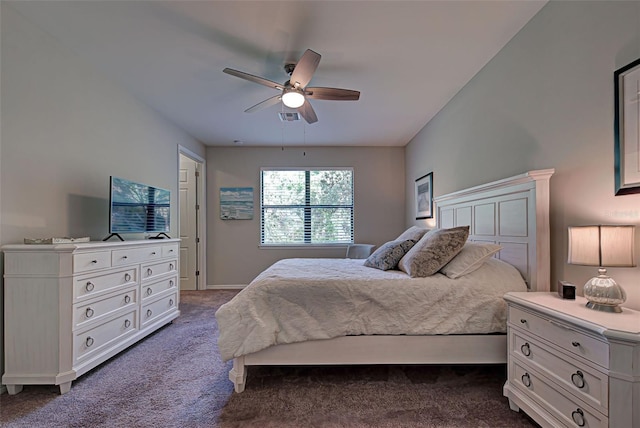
(389, 254)
(433, 251)
(414, 233)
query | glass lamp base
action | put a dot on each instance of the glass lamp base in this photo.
(603, 293)
(603, 308)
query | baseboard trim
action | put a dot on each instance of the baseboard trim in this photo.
(226, 287)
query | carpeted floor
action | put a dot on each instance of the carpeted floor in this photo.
(175, 378)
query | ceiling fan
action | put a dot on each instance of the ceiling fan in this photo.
(294, 92)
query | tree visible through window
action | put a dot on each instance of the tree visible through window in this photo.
(306, 206)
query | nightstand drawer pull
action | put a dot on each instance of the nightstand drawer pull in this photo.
(578, 379)
(576, 344)
(526, 349)
(578, 417)
(526, 380)
(89, 313)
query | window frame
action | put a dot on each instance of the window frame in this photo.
(308, 207)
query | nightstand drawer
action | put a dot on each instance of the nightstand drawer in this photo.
(562, 335)
(571, 413)
(585, 382)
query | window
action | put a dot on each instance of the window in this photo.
(306, 206)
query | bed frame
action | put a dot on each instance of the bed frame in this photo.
(513, 212)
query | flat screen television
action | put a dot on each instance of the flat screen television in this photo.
(138, 208)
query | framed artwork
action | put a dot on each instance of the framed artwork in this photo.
(236, 203)
(424, 196)
(627, 129)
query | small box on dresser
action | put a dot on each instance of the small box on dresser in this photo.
(70, 307)
(569, 365)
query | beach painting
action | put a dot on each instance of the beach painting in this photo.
(236, 203)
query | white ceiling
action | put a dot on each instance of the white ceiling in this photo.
(408, 59)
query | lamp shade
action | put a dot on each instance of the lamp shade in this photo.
(611, 246)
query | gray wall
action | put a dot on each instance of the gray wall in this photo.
(65, 129)
(233, 254)
(544, 101)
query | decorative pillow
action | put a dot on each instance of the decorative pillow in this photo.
(389, 254)
(436, 248)
(414, 233)
(471, 257)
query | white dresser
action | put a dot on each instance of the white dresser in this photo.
(70, 307)
(570, 366)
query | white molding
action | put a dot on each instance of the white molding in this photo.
(226, 287)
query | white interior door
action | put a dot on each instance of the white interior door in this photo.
(188, 223)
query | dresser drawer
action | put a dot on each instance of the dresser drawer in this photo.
(562, 406)
(562, 335)
(153, 289)
(94, 311)
(85, 262)
(135, 255)
(100, 338)
(170, 250)
(153, 310)
(92, 286)
(151, 271)
(585, 382)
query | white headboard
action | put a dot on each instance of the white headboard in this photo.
(513, 212)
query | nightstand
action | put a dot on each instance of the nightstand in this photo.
(572, 366)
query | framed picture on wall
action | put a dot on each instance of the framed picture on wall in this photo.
(424, 196)
(627, 129)
(236, 203)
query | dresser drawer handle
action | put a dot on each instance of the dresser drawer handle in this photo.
(94, 262)
(523, 321)
(89, 341)
(526, 380)
(575, 344)
(171, 283)
(127, 277)
(125, 257)
(578, 379)
(89, 286)
(578, 417)
(149, 291)
(170, 302)
(170, 266)
(127, 299)
(526, 349)
(153, 253)
(171, 250)
(149, 312)
(89, 313)
(127, 323)
(149, 272)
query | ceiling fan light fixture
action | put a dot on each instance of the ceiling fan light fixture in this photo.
(292, 98)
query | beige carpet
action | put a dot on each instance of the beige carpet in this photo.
(175, 378)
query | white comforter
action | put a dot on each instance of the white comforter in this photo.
(297, 300)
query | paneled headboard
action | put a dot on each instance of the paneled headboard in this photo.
(512, 212)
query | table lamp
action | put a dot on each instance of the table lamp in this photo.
(602, 246)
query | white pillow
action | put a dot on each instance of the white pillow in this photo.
(471, 257)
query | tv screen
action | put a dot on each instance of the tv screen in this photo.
(136, 207)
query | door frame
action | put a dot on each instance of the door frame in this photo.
(201, 194)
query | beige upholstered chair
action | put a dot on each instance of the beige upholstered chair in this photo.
(359, 251)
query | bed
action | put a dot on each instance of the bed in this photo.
(372, 316)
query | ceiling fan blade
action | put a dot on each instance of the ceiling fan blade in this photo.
(335, 94)
(303, 72)
(255, 79)
(264, 104)
(306, 111)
